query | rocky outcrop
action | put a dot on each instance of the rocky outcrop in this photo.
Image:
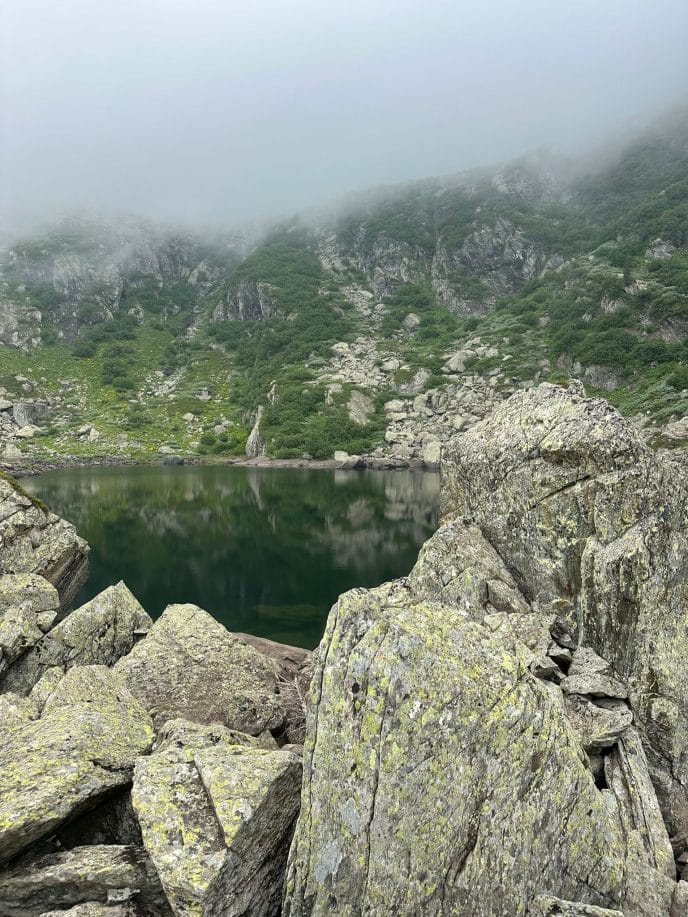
(250, 301)
(217, 818)
(97, 874)
(255, 445)
(442, 777)
(99, 632)
(555, 581)
(592, 525)
(501, 732)
(189, 666)
(34, 540)
(77, 753)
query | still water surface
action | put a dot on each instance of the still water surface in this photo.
(266, 551)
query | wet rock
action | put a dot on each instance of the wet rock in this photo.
(99, 632)
(34, 540)
(77, 753)
(95, 875)
(217, 819)
(189, 666)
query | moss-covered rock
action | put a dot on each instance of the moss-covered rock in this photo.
(441, 777)
(190, 666)
(78, 752)
(28, 607)
(34, 540)
(217, 818)
(99, 632)
(593, 526)
(84, 875)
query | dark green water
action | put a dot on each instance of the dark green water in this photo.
(266, 551)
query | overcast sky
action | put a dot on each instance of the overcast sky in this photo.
(223, 111)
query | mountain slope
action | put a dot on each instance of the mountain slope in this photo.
(382, 330)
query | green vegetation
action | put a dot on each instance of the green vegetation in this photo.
(161, 353)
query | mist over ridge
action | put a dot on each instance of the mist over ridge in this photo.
(225, 114)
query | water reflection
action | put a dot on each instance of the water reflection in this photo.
(264, 550)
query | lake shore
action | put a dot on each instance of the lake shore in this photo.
(40, 466)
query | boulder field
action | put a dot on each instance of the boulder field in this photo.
(503, 732)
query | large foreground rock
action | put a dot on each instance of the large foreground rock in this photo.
(441, 777)
(99, 632)
(95, 874)
(593, 526)
(81, 749)
(190, 666)
(217, 818)
(34, 540)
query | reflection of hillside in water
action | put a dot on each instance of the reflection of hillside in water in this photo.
(264, 550)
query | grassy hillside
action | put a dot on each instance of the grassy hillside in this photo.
(173, 343)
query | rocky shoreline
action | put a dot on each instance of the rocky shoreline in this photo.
(350, 463)
(504, 731)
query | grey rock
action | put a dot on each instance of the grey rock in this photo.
(189, 666)
(441, 777)
(69, 759)
(34, 540)
(597, 727)
(594, 686)
(546, 906)
(255, 446)
(97, 874)
(593, 525)
(28, 606)
(217, 818)
(99, 632)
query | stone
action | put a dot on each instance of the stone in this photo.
(27, 432)
(395, 407)
(593, 524)
(441, 777)
(411, 322)
(546, 906)
(594, 686)
(431, 454)
(294, 667)
(28, 606)
(94, 909)
(15, 711)
(457, 566)
(217, 819)
(360, 407)
(255, 445)
(597, 727)
(189, 666)
(99, 632)
(69, 759)
(34, 540)
(95, 874)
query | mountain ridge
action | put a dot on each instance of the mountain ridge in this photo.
(362, 332)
